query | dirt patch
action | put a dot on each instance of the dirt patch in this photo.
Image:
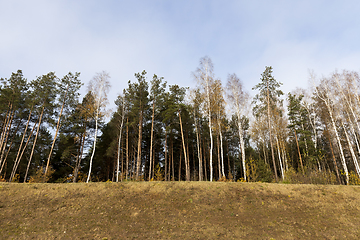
(178, 210)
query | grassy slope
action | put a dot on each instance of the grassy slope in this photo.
(179, 210)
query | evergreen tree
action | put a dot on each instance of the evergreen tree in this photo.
(267, 102)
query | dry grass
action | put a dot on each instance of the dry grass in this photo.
(179, 210)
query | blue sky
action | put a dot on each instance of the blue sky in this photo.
(169, 37)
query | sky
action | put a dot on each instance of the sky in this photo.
(168, 38)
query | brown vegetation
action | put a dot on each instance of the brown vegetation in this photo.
(179, 210)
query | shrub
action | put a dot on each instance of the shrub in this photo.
(159, 173)
(39, 176)
(354, 178)
(311, 176)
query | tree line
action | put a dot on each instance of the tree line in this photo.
(162, 132)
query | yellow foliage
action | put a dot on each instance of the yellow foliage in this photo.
(16, 178)
(82, 177)
(39, 175)
(311, 177)
(159, 173)
(224, 179)
(252, 170)
(230, 177)
(241, 180)
(354, 178)
(2, 179)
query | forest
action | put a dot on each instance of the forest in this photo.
(161, 132)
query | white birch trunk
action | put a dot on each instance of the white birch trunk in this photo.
(351, 150)
(280, 161)
(119, 148)
(93, 152)
(210, 124)
(340, 146)
(326, 100)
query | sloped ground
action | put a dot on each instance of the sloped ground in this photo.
(178, 210)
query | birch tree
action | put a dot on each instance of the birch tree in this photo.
(219, 110)
(239, 98)
(323, 93)
(99, 87)
(86, 111)
(205, 77)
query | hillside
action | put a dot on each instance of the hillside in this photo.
(179, 210)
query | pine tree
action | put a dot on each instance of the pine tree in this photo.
(266, 103)
(68, 88)
(137, 94)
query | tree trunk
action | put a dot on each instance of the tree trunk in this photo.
(151, 140)
(56, 133)
(297, 144)
(222, 153)
(280, 161)
(94, 146)
(264, 152)
(351, 150)
(138, 163)
(198, 149)
(188, 156)
(33, 148)
(6, 136)
(211, 150)
(242, 147)
(172, 161)
(284, 155)
(9, 148)
(326, 100)
(228, 158)
(27, 141)
(21, 143)
(119, 148)
(269, 126)
(122, 163)
(333, 156)
(166, 158)
(218, 157)
(205, 167)
(4, 161)
(78, 161)
(6, 128)
(127, 148)
(340, 147)
(179, 173)
(187, 170)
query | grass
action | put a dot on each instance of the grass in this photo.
(179, 210)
